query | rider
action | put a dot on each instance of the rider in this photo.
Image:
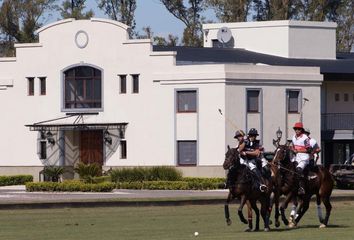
(240, 136)
(301, 147)
(250, 153)
(315, 149)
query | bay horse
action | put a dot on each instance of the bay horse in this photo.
(242, 187)
(319, 183)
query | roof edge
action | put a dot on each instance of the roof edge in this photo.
(68, 20)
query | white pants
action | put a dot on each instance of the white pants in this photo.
(250, 164)
(264, 162)
(302, 160)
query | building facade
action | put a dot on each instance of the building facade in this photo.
(87, 93)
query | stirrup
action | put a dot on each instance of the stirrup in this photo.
(263, 188)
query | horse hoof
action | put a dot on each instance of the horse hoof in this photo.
(286, 222)
(266, 229)
(248, 230)
(292, 225)
(322, 225)
(277, 224)
(228, 222)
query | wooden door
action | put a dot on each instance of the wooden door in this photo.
(91, 149)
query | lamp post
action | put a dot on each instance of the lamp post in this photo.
(279, 134)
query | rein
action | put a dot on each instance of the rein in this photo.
(284, 168)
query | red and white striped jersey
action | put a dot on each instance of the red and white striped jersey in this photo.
(301, 143)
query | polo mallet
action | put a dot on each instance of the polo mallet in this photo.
(303, 105)
(228, 120)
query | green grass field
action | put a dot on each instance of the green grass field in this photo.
(162, 223)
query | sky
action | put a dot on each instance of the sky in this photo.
(148, 13)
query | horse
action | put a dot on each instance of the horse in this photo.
(282, 175)
(241, 187)
(319, 183)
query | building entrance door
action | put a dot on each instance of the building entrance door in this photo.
(91, 147)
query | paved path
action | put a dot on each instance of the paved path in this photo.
(18, 195)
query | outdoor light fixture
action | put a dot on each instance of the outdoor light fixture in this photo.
(279, 133)
(50, 138)
(107, 137)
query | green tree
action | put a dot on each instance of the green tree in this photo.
(120, 10)
(75, 9)
(19, 20)
(345, 29)
(231, 10)
(190, 15)
(171, 40)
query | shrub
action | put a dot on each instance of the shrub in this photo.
(165, 174)
(53, 172)
(15, 180)
(145, 174)
(88, 171)
(69, 186)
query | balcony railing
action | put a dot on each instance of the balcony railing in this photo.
(337, 121)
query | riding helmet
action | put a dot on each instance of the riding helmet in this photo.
(239, 133)
(253, 132)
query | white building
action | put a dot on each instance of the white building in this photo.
(86, 92)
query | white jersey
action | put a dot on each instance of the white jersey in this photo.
(301, 143)
(313, 143)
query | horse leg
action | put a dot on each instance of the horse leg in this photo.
(256, 210)
(240, 214)
(249, 210)
(328, 206)
(319, 209)
(226, 209)
(276, 211)
(303, 206)
(265, 214)
(283, 206)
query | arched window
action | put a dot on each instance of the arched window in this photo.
(82, 88)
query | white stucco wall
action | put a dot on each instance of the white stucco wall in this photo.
(153, 124)
(288, 38)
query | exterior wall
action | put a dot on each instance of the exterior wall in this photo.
(332, 88)
(153, 124)
(291, 39)
(273, 85)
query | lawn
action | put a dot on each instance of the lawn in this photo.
(163, 223)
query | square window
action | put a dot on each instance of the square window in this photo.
(123, 84)
(253, 101)
(187, 152)
(187, 101)
(336, 97)
(135, 78)
(30, 87)
(293, 101)
(346, 97)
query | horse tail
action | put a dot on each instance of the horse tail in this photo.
(326, 181)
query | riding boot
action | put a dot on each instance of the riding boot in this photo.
(259, 180)
(266, 172)
(300, 178)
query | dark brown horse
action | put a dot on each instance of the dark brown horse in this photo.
(319, 183)
(242, 188)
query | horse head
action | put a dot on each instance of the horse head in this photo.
(281, 154)
(231, 158)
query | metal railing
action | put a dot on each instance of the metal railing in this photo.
(337, 121)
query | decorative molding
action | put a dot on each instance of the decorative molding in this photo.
(81, 39)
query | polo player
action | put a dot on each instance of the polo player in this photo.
(301, 147)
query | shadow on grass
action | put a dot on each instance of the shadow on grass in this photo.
(306, 227)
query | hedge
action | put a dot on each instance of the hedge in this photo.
(15, 180)
(169, 185)
(69, 186)
(160, 173)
